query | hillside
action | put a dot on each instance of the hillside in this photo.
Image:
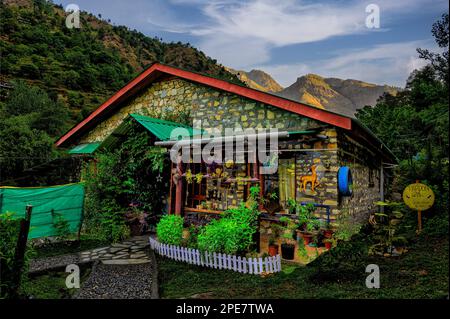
(82, 66)
(337, 95)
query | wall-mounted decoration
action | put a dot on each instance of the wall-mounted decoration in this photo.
(309, 179)
(345, 181)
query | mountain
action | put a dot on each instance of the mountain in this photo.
(257, 79)
(82, 66)
(337, 95)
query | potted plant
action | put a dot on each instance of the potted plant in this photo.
(275, 233)
(288, 242)
(273, 247)
(136, 220)
(327, 230)
(311, 230)
(291, 206)
(329, 242)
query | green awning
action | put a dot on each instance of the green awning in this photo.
(87, 148)
(161, 129)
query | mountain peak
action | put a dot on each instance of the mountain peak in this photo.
(257, 79)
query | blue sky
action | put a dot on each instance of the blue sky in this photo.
(289, 38)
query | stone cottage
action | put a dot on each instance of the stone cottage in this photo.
(313, 145)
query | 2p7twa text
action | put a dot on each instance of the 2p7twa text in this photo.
(226, 308)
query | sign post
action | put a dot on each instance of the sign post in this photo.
(418, 197)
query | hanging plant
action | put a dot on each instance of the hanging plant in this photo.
(198, 178)
(189, 176)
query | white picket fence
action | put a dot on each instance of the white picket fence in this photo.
(217, 260)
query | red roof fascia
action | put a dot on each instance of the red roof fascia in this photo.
(145, 77)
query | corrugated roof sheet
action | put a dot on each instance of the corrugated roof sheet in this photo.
(87, 148)
(163, 129)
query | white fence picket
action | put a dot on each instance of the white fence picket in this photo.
(239, 265)
(218, 260)
(244, 265)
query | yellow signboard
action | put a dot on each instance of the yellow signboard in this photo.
(418, 196)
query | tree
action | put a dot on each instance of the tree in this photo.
(415, 122)
(439, 62)
(30, 123)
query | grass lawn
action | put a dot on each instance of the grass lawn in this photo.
(51, 285)
(420, 273)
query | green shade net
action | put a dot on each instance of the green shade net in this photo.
(50, 204)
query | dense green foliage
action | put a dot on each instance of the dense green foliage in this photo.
(30, 122)
(414, 124)
(170, 230)
(124, 179)
(233, 233)
(84, 65)
(9, 234)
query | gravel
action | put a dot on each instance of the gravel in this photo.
(49, 263)
(118, 282)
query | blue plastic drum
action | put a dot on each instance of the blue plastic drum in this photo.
(345, 181)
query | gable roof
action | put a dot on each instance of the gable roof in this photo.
(157, 70)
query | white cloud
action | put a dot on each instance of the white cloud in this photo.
(381, 64)
(242, 34)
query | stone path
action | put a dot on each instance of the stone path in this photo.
(125, 270)
(107, 281)
(132, 251)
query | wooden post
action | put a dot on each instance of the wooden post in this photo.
(179, 188)
(419, 216)
(20, 251)
(419, 219)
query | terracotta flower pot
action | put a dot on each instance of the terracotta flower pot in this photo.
(307, 238)
(328, 233)
(273, 250)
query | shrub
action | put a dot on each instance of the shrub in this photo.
(232, 234)
(9, 233)
(170, 230)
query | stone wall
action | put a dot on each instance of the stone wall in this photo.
(365, 168)
(215, 109)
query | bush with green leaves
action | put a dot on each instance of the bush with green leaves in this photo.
(9, 233)
(232, 234)
(170, 230)
(125, 174)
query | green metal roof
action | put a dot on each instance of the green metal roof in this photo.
(87, 148)
(163, 129)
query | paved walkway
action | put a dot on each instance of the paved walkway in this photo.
(132, 251)
(126, 270)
